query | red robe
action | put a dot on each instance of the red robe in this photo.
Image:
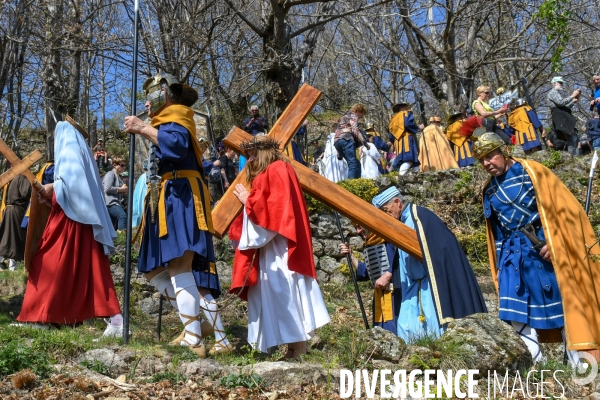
(69, 277)
(276, 203)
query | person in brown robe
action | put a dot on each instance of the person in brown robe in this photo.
(12, 236)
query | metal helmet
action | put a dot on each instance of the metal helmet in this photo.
(519, 102)
(180, 94)
(203, 144)
(487, 143)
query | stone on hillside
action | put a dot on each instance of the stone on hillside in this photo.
(111, 360)
(322, 276)
(488, 344)
(382, 344)
(318, 249)
(326, 226)
(332, 248)
(356, 243)
(224, 271)
(284, 374)
(201, 367)
(328, 265)
(338, 278)
(150, 305)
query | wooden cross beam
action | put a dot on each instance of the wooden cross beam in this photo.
(19, 167)
(353, 207)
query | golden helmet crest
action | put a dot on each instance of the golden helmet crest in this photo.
(487, 143)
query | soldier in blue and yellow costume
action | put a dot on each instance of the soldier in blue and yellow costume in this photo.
(537, 236)
(403, 129)
(387, 294)
(176, 254)
(462, 146)
(525, 124)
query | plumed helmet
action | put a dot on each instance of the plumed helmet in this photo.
(179, 93)
(487, 143)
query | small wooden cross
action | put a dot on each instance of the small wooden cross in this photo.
(19, 167)
(353, 207)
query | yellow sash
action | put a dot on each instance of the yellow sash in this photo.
(201, 203)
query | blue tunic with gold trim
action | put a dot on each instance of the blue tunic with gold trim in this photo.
(527, 283)
(403, 129)
(175, 153)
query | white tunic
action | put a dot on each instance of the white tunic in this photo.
(369, 160)
(284, 306)
(330, 167)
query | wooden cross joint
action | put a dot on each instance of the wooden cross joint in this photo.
(317, 186)
(19, 167)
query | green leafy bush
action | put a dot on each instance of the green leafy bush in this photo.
(16, 356)
(366, 189)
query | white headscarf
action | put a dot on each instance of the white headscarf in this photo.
(78, 186)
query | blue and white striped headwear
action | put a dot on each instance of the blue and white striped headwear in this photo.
(383, 198)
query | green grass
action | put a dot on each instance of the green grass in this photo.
(234, 380)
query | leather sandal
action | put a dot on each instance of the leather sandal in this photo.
(199, 348)
(205, 327)
(220, 348)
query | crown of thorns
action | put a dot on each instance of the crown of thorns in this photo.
(264, 143)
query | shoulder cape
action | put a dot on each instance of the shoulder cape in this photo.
(184, 116)
(568, 233)
(277, 204)
(454, 287)
(453, 133)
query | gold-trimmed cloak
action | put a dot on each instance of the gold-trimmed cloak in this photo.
(568, 232)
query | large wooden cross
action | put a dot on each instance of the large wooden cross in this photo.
(353, 207)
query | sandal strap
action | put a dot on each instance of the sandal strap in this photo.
(200, 343)
(169, 298)
(191, 319)
(218, 342)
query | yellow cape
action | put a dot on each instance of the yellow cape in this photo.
(568, 231)
(398, 130)
(434, 150)
(519, 121)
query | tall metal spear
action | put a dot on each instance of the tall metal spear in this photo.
(590, 182)
(127, 284)
(352, 273)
